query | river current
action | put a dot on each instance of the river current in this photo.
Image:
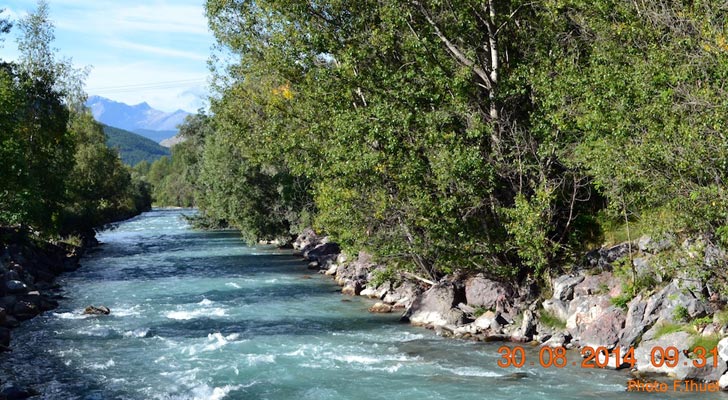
(200, 315)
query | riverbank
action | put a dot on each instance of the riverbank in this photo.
(28, 270)
(589, 308)
(29, 266)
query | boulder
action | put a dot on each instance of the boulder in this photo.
(323, 251)
(564, 286)
(435, 306)
(679, 340)
(723, 349)
(24, 310)
(15, 393)
(647, 244)
(5, 337)
(528, 326)
(375, 292)
(585, 310)
(604, 283)
(706, 373)
(487, 293)
(559, 339)
(100, 310)
(352, 288)
(484, 321)
(635, 322)
(557, 308)
(307, 239)
(402, 295)
(605, 330)
(723, 382)
(15, 287)
(381, 308)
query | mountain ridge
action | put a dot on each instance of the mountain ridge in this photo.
(139, 118)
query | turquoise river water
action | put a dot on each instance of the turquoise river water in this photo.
(199, 315)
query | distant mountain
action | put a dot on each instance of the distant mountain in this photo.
(157, 136)
(133, 148)
(176, 139)
(141, 118)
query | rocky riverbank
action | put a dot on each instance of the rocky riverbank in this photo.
(28, 269)
(588, 307)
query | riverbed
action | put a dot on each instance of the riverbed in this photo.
(200, 315)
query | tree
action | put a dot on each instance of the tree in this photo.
(39, 61)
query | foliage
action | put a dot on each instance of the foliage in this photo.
(58, 175)
(680, 313)
(622, 301)
(133, 148)
(499, 136)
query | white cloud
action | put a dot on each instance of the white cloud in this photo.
(111, 18)
(160, 51)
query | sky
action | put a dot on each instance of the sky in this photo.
(139, 50)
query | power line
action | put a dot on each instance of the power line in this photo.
(146, 86)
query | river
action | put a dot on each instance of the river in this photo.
(200, 315)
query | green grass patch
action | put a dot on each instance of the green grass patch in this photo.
(668, 328)
(480, 310)
(680, 313)
(708, 342)
(622, 300)
(721, 317)
(552, 320)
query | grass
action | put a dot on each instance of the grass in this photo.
(622, 300)
(708, 342)
(668, 328)
(614, 230)
(480, 310)
(552, 320)
(722, 317)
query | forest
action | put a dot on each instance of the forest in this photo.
(503, 137)
(59, 178)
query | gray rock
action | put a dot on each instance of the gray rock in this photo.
(605, 330)
(723, 349)
(4, 337)
(435, 306)
(723, 382)
(558, 339)
(24, 310)
(643, 353)
(557, 308)
(583, 311)
(15, 287)
(489, 294)
(323, 253)
(604, 283)
(403, 294)
(100, 310)
(352, 287)
(564, 286)
(484, 321)
(380, 308)
(636, 323)
(528, 325)
(647, 244)
(308, 238)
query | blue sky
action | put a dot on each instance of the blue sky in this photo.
(139, 50)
